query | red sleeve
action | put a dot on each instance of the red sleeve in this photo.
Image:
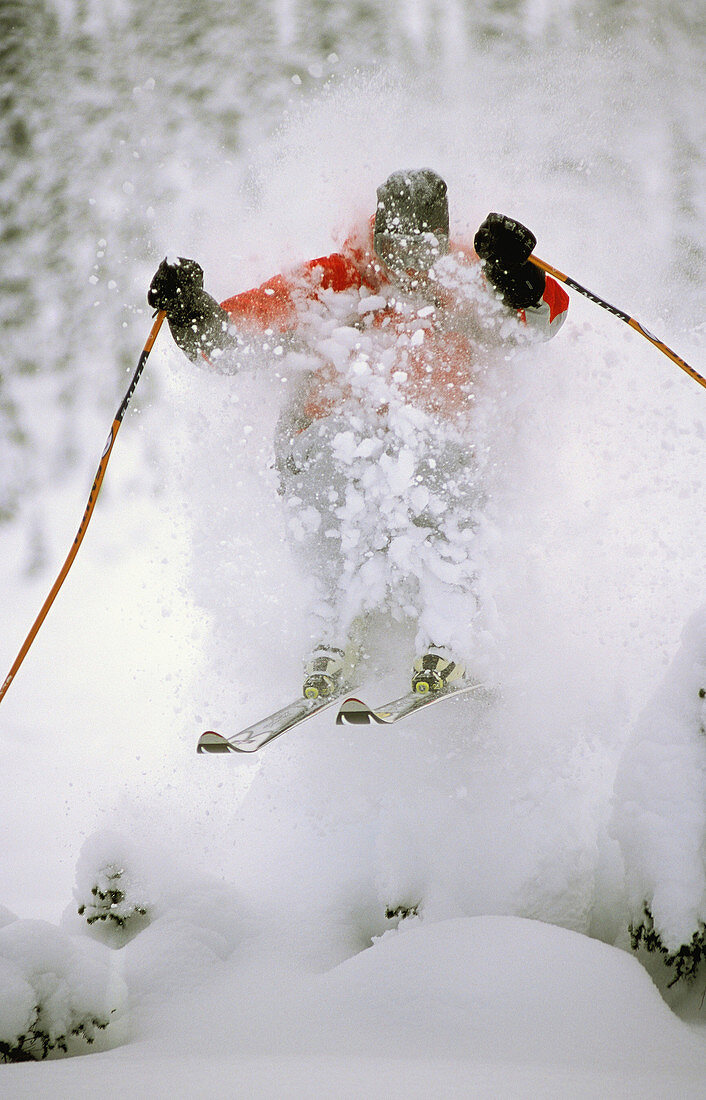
(274, 303)
(267, 306)
(556, 298)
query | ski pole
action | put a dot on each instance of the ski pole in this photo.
(623, 317)
(95, 490)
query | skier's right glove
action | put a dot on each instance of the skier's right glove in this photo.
(197, 322)
(176, 288)
(505, 246)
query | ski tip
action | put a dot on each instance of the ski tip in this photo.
(354, 712)
(210, 741)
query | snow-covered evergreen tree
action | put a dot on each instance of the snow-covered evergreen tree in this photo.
(660, 812)
(57, 992)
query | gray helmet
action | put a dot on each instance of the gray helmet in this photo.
(411, 220)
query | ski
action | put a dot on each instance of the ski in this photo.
(261, 733)
(354, 712)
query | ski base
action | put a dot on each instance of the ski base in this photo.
(261, 733)
(354, 712)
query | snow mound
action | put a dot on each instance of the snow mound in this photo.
(480, 1006)
(472, 984)
(466, 988)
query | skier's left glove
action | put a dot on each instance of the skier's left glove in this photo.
(505, 246)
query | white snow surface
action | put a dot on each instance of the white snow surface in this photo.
(480, 1006)
(266, 965)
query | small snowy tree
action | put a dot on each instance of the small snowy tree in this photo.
(110, 891)
(111, 899)
(660, 813)
(56, 991)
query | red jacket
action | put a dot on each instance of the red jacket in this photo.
(437, 376)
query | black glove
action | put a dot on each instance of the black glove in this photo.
(197, 322)
(176, 288)
(505, 247)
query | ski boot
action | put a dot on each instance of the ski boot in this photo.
(435, 671)
(323, 672)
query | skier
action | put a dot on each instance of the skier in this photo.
(383, 343)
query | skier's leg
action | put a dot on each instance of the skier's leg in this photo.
(314, 487)
(445, 635)
(457, 619)
(331, 659)
(452, 629)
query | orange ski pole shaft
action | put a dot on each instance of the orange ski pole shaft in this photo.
(95, 490)
(623, 317)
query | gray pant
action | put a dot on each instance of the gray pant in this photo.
(384, 517)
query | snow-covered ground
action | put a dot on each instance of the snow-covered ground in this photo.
(479, 1006)
(265, 964)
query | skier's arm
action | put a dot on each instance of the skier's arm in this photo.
(202, 327)
(273, 305)
(505, 245)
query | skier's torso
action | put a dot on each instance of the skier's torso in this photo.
(360, 346)
(391, 349)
